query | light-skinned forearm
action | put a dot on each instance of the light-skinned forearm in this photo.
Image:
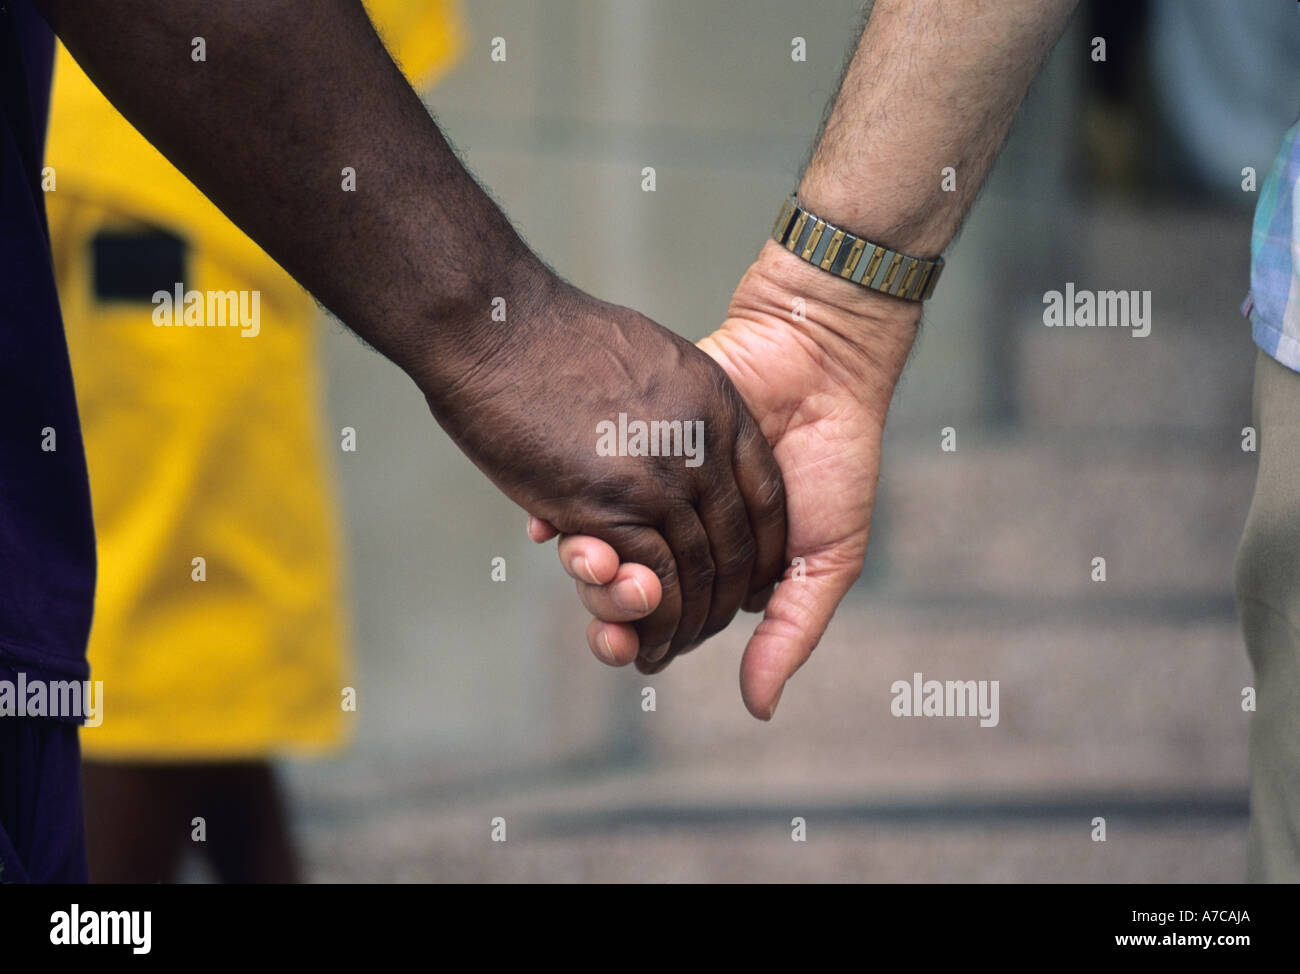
(932, 84)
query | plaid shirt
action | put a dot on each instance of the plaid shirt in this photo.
(1273, 305)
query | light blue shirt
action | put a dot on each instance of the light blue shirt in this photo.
(1273, 305)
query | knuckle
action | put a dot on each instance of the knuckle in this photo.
(666, 568)
(771, 497)
(620, 492)
(738, 558)
(700, 582)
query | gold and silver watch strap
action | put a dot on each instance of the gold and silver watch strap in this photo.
(853, 258)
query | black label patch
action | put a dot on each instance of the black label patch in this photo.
(133, 266)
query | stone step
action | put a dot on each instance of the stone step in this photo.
(1085, 701)
(1086, 704)
(1099, 714)
(422, 848)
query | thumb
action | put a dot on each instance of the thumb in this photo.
(793, 624)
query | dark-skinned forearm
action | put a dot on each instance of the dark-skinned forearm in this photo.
(289, 95)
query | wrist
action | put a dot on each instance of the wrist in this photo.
(860, 329)
(479, 315)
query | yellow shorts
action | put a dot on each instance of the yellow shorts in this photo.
(203, 442)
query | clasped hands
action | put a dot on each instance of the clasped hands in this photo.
(792, 391)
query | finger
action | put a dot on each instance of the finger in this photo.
(763, 491)
(796, 618)
(613, 643)
(695, 574)
(758, 601)
(643, 665)
(731, 543)
(539, 530)
(587, 559)
(646, 546)
(633, 594)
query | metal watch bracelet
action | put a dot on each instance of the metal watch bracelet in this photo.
(852, 258)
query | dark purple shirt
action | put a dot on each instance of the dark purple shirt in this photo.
(47, 546)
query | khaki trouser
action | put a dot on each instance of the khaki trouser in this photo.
(1266, 577)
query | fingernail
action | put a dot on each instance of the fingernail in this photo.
(631, 596)
(645, 601)
(772, 712)
(582, 567)
(609, 650)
